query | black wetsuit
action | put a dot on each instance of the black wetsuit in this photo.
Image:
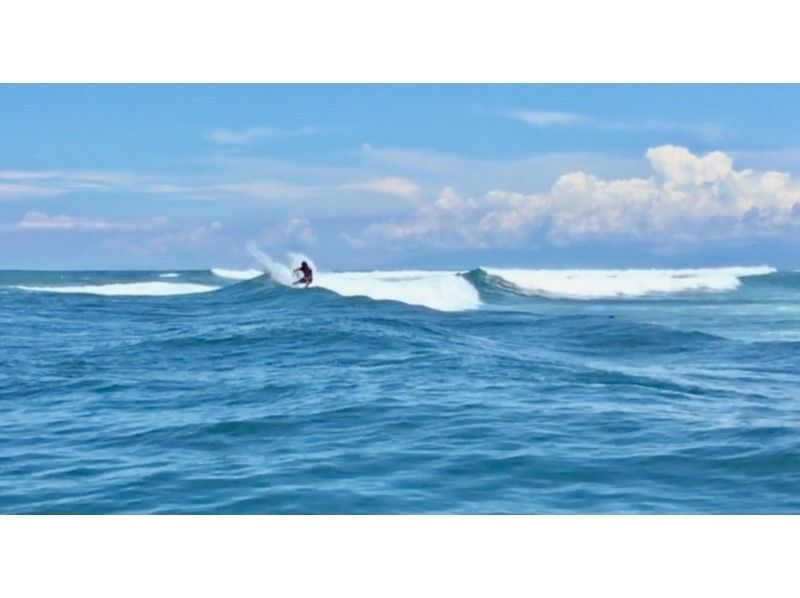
(308, 275)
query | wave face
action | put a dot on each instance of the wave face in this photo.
(444, 291)
(597, 284)
(236, 274)
(481, 391)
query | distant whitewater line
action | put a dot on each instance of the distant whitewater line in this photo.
(447, 290)
(603, 284)
(128, 289)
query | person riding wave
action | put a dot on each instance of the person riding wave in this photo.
(308, 275)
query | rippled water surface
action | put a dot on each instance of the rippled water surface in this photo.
(500, 391)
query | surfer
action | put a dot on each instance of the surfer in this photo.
(308, 275)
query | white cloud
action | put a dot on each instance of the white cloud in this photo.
(294, 230)
(397, 186)
(33, 220)
(42, 183)
(432, 168)
(69, 177)
(251, 134)
(680, 166)
(688, 198)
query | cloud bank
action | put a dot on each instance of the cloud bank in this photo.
(688, 198)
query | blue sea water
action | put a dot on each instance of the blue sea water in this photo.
(481, 391)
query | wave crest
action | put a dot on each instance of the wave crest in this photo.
(443, 291)
(236, 274)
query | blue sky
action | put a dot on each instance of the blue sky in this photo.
(391, 176)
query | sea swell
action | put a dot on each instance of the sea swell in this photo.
(400, 392)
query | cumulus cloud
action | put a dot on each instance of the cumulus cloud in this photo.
(399, 187)
(251, 134)
(688, 198)
(33, 220)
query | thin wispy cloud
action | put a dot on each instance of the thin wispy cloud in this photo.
(167, 189)
(708, 131)
(16, 190)
(49, 183)
(186, 238)
(33, 220)
(294, 230)
(252, 134)
(69, 177)
(396, 186)
(546, 118)
(267, 189)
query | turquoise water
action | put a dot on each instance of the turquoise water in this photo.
(483, 391)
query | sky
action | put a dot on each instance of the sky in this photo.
(399, 176)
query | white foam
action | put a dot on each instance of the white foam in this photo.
(444, 291)
(282, 273)
(598, 284)
(129, 288)
(236, 274)
(169, 275)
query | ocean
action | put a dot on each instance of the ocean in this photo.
(486, 390)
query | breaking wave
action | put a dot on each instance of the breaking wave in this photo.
(460, 290)
(603, 284)
(445, 291)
